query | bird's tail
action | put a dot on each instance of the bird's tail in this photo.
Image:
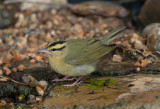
(112, 35)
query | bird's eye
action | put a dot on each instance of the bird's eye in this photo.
(53, 49)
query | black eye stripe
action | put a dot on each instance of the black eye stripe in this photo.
(55, 43)
(58, 49)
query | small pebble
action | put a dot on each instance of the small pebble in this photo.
(16, 57)
(21, 67)
(1, 72)
(3, 102)
(31, 50)
(40, 90)
(32, 39)
(1, 42)
(138, 45)
(3, 79)
(8, 71)
(9, 57)
(144, 63)
(14, 69)
(32, 98)
(11, 104)
(138, 69)
(1, 62)
(32, 61)
(105, 32)
(137, 64)
(135, 36)
(44, 84)
(38, 58)
(117, 58)
(38, 99)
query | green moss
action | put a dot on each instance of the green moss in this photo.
(100, 84)
(133, 57)
(62, 89)
(96, 84)
(111, 82)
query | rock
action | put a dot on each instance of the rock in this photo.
(39, 99)
(150, 12)
(3, 102)
(113, 22)
(1, 72)
(38, 58)
(145, 84)
(21, 67)
(32, 98)
(30, 80)
(32, 61)
(6, 16)
(101, 8)
(7, 70)
(44, 84)
(152, 33)
(40, 90)
(1, 61)
(138, 44)
(117, 58)
(36, 5)
(14, 69)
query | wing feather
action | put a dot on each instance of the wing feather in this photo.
(85, 52)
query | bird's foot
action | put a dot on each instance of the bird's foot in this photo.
(71, 85)
(64, 79)
(75, 83)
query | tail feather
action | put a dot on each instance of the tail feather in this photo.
(112, 35)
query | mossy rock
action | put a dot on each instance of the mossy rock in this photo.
(100, 84)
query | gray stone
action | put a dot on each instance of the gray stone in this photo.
(152, 33)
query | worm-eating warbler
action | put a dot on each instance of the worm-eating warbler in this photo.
(79, 57)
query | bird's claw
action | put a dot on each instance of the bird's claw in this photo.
(71, 85)
(60, 80)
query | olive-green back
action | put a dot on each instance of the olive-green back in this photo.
(86, 51)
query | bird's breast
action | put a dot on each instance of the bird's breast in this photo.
(58, 65)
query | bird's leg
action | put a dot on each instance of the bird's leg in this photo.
(75, 83)
(64, 79)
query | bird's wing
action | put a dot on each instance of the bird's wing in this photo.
(85, 51)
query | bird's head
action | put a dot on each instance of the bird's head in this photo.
(55, 47)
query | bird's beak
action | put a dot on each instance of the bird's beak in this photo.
(43, 50)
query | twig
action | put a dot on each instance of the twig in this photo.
(13, 80)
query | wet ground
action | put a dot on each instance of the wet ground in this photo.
(132, 90)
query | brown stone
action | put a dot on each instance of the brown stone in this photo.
(150, 12)
(101, 8)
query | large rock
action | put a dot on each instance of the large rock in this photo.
(99, 8)
(36, 5)
(6, 16)
(152, 33)
(150, 12)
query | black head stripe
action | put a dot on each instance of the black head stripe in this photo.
(55, 43)
(58, 49)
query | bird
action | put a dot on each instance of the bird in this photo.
(79, 57)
